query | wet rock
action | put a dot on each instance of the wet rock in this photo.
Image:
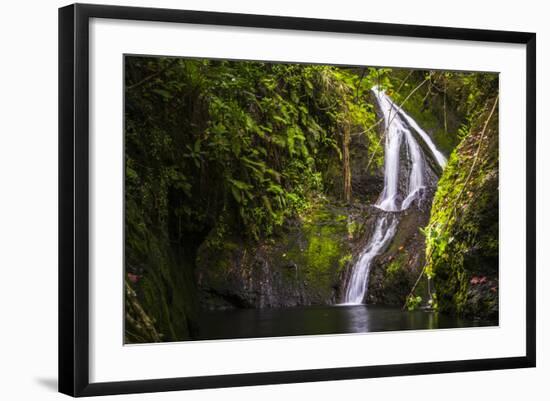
(302, 266)
(394, 271)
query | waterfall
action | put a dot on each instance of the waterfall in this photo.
(384, 231)
(397, 129)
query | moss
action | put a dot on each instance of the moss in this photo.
(301, 266)
(462, 236)
(393, 269)
(219, 255)
(321, 253)
(162, 279)
(341, 217)
(324, 249)
(396, 273)
(353, 229)
(344, 260)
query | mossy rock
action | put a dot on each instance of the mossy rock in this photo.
(395, 271)
(302, 266)
(162, 281)
(462, 242)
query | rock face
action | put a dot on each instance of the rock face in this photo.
(395, 270)
(311, 262)
(463, 247)
(304, 266)
(160, 282)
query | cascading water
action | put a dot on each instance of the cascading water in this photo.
(383, 232)
(397, 128)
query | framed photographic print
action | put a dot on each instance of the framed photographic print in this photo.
(249, 199)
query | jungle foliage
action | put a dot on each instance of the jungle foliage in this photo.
(247, 142)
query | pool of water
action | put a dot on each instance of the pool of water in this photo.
(311, 320)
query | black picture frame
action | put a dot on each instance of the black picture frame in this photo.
(74, 198)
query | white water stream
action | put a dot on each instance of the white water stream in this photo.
(397, 128)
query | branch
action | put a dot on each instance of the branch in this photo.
(154, 75)
(359, 84)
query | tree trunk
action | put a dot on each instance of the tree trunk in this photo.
(139, 326)
(346, 168)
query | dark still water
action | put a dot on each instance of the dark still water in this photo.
(309, 320)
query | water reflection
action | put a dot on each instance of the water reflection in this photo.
(251, 323)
